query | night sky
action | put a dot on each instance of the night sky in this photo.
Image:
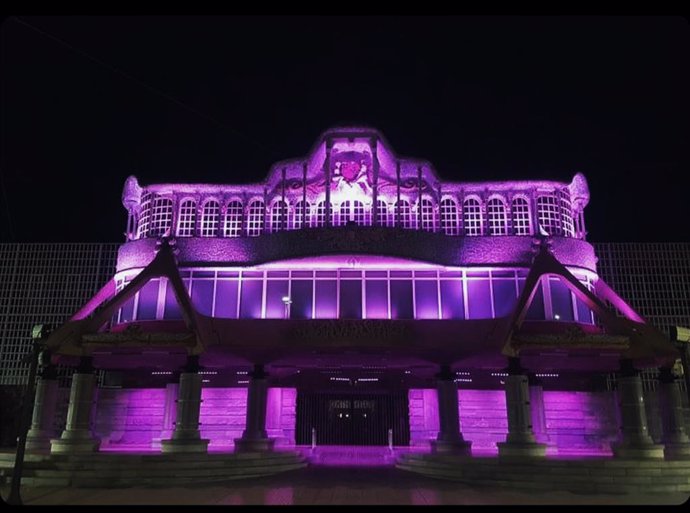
(87, 101)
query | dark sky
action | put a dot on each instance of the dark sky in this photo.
(87, 101)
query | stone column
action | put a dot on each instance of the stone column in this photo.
(170, 412)
(254, 437)
(41, 432)
(186, 437)
(449, 436)
(77, 436)
(676, 441)
(634, 441)
(536, 402)
(520, 440)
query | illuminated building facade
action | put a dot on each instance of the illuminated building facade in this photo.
(355, 298)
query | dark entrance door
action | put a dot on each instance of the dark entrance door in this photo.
(352, 419)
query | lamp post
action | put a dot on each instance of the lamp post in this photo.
(38, 335)
(287, 302)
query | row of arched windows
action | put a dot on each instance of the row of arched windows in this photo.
(473, 219)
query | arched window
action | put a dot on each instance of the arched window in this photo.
(547, 212)
(144, 215)
(403, 209)
(359, 215)
(521, 217)
(382, 213)
(210, 216)
(278, 216)
(427, 215)
(352, 211)
(320, 218)
(186, 220)
(298, 215)
(472, 216)
(161, 217)
(498, 223)
(345, 212)
(566, 214)
(449, 217)
(255, 218)
(232, 226)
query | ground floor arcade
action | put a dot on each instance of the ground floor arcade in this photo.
(451, 411)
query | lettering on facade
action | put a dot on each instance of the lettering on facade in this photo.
(346, 332)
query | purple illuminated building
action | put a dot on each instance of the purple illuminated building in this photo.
(355, 298)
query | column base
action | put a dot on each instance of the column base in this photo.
(677, 451)
(460, 447)
(522, 449)
(184, 445)
(646, 451)
(71, 444)
(254, 445)
(38, 441)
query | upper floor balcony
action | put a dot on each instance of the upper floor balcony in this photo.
(352, 178)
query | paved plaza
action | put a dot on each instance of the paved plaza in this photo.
(329, 485)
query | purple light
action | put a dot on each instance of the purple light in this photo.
(130, 420)
(577, 423)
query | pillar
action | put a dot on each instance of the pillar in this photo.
(449, 436)
(41, 432)
(375, 185)
(397, 194)
(77, 436)
(419, 198)
(520, 440)
(536, 402)
(327, 171)
(186, 437)
(170, 412)
(676, 441)
(254, 437)
(634, 440)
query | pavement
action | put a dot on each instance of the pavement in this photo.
(319, 485)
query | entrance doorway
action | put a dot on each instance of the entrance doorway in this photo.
(352, 419)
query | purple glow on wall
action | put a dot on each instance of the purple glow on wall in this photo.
(577, 423)
(295, 247)
(132, 419)
(581, 422)
(129, 417)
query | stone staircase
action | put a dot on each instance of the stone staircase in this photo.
(350, 456)
(123, 470)
(585, 475)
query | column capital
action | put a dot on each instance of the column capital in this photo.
(48, 372)
(192, 364)
(514, 368)
(85, 365)
(445, 373)
(627, 369)
(258, 372)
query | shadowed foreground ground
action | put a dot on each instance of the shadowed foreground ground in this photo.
(329, 485)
